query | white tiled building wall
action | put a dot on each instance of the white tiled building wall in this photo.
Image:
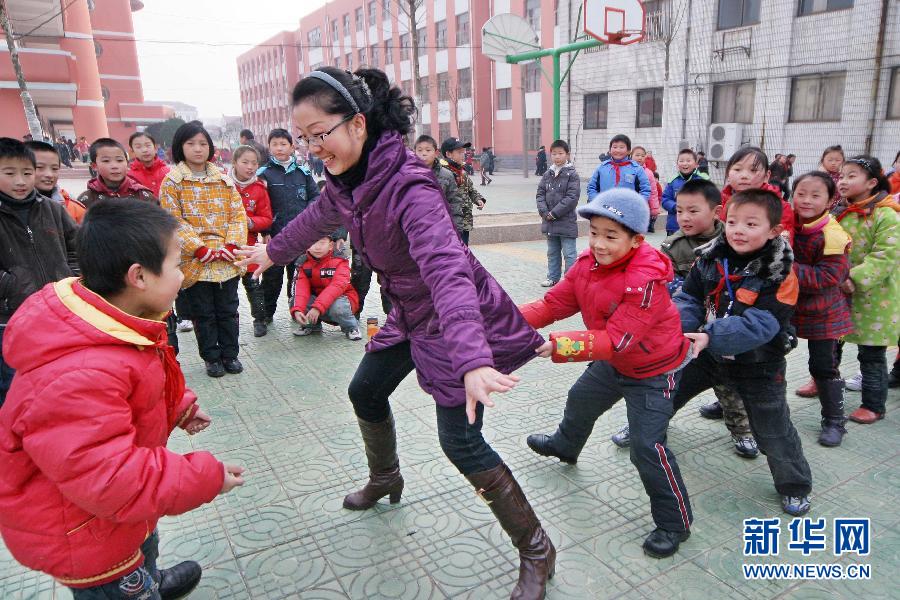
(782, 45)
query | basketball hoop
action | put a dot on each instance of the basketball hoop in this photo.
(618, 22)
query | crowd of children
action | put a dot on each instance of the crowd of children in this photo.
(742, 274)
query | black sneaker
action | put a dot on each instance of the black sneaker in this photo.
(269, 320)
(214, 368)
(712, 411)
(259, 328)
(180, 580)
(662, 542)
(543, 444)
(894, 378)
(232, 365)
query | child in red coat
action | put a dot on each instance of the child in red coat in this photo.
(86, 473)
(822, 314)
(637, 350)
(322, 291)
(255, 197)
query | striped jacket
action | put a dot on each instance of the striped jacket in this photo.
(211, 214)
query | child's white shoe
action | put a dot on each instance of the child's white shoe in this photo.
(354, 334)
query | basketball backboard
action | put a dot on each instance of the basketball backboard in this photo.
(614, 21)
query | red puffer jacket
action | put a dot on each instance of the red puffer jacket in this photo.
(150, 177)
(633, 322)
(328, 278)
(85, 470)
(255, 197)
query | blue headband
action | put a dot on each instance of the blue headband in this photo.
(338, 87)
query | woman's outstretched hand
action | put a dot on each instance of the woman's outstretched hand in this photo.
(481, 383)
(254, 255)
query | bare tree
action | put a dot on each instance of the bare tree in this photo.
(408, 9)
(34, 123)
(663, 23)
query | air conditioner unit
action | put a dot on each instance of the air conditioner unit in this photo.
(724, 140)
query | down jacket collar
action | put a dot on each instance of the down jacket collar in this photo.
(772, 263)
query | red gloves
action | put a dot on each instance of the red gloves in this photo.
(577, 346)
(206, 255)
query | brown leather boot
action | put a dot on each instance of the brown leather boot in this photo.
(537, 556)
(384, 466)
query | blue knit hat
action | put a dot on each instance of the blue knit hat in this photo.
(622, 205)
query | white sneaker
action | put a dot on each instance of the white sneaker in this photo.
(185, 326)
(354, 334)
(854, 384)
(303, 331)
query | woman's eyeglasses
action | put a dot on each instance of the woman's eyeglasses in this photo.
(319, 140)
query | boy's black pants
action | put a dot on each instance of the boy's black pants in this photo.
(762, 387)
(649, 407)
(272, 282)
(256, 295)
(142, 583)
(214, 311)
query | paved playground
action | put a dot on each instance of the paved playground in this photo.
(285, 535)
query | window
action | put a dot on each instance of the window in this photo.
(440, 34)
(462, 29)
(422, 38)
(464, 83)
(407, 87)
(337, 62)
(649, 108)
(443, 81)
(817, 97)
(811, 7)
(373, 12)
(422, 89)
(533, 14)
(385, 10)
(347, 24)
(443, 132)
(465, 131)
(533, 77)
(532, 134)
(388, 51)
(362, 57)
(349, 61)
(738, 13)
(893, 111)
(595, 110)
(314, 37)
(404, 46)
(334, 30)
(373, 53)
(733, 102)
(504, 99)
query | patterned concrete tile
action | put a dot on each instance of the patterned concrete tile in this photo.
(285, 570)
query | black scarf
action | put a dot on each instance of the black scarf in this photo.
(21, 208)
(356, 174)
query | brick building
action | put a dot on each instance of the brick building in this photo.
(81, 67)
(459, 91)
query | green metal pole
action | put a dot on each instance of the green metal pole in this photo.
(558, 78)
(557, 84)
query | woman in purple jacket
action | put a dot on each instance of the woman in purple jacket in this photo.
(452, 322)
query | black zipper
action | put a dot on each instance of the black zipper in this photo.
(37, 256)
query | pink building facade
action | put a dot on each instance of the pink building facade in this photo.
(81, 67)
(459, 92)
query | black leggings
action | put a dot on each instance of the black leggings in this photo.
(376, 378)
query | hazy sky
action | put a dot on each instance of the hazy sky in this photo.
(187, 49)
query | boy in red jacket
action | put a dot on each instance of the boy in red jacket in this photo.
(323, 290)
(86, 473)
(637, 350)
(110, 161)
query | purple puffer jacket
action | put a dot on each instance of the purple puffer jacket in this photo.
(455, 315)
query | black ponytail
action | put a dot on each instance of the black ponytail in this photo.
(825, 178)
(872, 167)
(385, 107)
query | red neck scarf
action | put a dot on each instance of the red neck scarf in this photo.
(617, 165)
(716, 294)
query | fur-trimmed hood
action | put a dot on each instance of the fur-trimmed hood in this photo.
(772, 263)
